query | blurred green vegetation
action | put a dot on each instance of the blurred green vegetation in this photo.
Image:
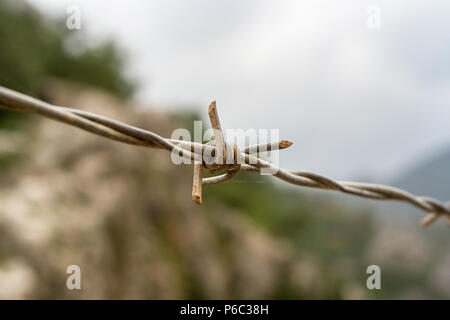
(35, 48)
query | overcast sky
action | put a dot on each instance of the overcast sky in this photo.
(356, 101)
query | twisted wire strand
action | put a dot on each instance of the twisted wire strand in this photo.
(244, 160)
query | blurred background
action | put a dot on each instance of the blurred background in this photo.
(360, 87)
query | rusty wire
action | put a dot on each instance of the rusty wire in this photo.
(217, 155)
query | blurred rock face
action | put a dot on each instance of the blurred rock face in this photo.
(124, 215)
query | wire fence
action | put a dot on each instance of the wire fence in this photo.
(217, 155)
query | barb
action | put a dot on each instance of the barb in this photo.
(221, 156)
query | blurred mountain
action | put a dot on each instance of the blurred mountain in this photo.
(431, 177)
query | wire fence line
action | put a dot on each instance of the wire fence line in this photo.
(217, 155)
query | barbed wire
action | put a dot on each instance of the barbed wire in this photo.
(217, 155)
